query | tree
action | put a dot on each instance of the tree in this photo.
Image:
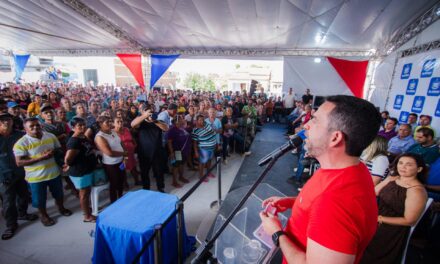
(199, 82)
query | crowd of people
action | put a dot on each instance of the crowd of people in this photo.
(50, 133)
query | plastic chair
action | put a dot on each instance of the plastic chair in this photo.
(94, 197)
(428, 204)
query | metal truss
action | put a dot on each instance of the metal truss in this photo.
(410, 31)
(209, 52)
(102, 22)
(435, 44)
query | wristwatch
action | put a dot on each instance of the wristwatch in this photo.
(276, 237)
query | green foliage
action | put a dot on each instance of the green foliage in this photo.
(199, 82)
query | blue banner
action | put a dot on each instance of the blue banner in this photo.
(398, 101)
(428, 68)
(20, 63)
(434, 87)
(159, 65)
(406, 71)
(411, 88)
(417, 106)
(403, 118)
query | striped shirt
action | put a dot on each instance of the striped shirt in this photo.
(31, 147)
(378, 166)
(205, 136)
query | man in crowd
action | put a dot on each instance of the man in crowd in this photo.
(400, 143)
(15, 111)
(425, 146)
(389, 130)
(425, 121)
(334, 217)
(35, 152)
(13, 187)
(412, 121)
(151, 151)
(307, 98)
(289, 100)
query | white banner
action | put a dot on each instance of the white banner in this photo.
(416, 88)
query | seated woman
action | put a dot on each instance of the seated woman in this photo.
(375, 157)
(402, 200)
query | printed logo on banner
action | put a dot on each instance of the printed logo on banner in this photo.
(418, 103)
(434, 87)
(411, 88)
(406, 71)
(437, 109)
(428, 68)
(403, 118)
(398, 101)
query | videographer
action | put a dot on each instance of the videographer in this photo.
(334, 217)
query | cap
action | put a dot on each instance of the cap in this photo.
(12, 104)
(172, 106)
(5, 116)
(45, 107)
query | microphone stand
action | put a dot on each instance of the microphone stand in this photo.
(203, 253)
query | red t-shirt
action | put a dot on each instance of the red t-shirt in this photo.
(337, 209)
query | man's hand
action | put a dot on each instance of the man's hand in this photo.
(271, 223)
(47, 154)
(146, 114)
(281, 203)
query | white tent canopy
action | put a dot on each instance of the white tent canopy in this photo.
(204, 24)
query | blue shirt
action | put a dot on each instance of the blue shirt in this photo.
(398, 145)
(216, 125)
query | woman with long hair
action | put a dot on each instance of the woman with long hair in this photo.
(179, 147)
(375, 157)
(81, 162)
(401, 201)
(109, 143)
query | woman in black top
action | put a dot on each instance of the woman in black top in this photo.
(81, 162)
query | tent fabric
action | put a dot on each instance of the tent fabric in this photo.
(159, 65)
(352, 72)
(251, 24)
(20, 63)
(134, 64)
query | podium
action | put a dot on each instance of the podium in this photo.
(244, 240)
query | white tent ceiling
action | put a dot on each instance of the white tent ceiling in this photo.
(204, 24)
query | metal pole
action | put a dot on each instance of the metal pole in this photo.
(180, 224)
(219, 175)
(158, 244)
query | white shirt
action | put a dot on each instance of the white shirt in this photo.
(289, 100)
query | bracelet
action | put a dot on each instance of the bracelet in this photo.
(380, 219)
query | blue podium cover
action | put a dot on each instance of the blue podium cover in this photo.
(125, 226)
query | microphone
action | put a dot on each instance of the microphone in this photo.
(294, 141)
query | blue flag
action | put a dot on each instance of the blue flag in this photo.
(20, 64)
(159, 65)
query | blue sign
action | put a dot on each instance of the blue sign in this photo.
(434, 87)
(411, 88)
(406, 71)
(398, 101)
(417, 106)
(403, 118)
(437, 110)
(428, 68)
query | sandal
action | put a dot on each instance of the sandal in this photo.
(184, 180)
(65, 212)
(47, 221)
(176, 185)
(28, 217)
(91, 220)
(9, 233)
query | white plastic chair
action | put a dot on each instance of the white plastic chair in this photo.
(94, 197)
(428, 204)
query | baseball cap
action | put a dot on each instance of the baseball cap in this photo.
(45, 107)
(12, 104)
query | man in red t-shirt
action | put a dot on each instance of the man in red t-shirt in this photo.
(334, 217)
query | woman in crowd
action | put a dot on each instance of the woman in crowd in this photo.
(70, 113)
(132, 113)
(34, 107)
(109, 143)
(53, 100)
(375, 157)
(402, 200)
(81, 162)
(179, 147)
(129, 146)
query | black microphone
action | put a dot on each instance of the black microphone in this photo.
(294, 142)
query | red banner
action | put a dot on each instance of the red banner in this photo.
(352, 72)
(134, 64)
